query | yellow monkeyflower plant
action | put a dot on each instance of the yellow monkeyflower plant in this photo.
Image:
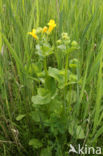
(33, 33)
(52, 25)
(54, 71)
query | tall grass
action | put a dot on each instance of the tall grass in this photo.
(83, 20)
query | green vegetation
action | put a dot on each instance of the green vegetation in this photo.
(51, 83)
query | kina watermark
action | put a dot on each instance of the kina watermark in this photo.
(85, 150)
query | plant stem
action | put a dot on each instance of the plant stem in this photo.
(66, 70)
(66, 79)
(45, 67)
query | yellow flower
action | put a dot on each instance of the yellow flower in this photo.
(52, 25)
(45, 29)
(33, 33)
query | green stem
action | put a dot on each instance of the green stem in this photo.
(66, 70)
(66, 79)
(45, 67)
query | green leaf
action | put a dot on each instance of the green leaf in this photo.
(47, 50)
(80, 133)
(38, 115)
(55, 106)
(76, 130)
(35, 116)
(46, 152)
(73, 79)
(44, 50)
(41, 100)
(42, 91)
(57, 75)
(33, 68)
(35, 143)
(45, 95)
(50, 84)
(20, 117)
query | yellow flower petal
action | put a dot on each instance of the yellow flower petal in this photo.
(50, 28)
(51, 22)
(34, 31)
(33, 34)
(52, 25)
(45, 29)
